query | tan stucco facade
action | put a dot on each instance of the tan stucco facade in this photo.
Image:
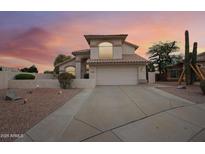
(63, 67)
(127, 49)
(127, 71)
(117, 48)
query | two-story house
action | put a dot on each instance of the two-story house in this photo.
(111, 60)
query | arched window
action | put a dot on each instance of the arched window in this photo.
(105, 50)
(71, 69)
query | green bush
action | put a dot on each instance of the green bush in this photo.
(202, 85)
(65, 80)
(32, 69)
(24, 76)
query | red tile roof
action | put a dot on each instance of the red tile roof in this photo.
(120, 36)
(201, 57)
(126, 59)
(80, 52)
(134, 45)
(69, 60)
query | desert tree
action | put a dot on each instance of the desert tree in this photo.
(59, 59)
(162, 54)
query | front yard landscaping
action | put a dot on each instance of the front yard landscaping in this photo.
(192, 92)
(17, 117)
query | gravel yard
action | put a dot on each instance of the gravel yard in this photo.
(192, 92)
(16, 117)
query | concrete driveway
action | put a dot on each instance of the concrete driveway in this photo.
(123, 113)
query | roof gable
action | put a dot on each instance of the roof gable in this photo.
(126, 59)
(99, 37)
(131, 44)
(81, 52)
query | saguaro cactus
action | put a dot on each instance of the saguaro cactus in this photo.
(194, 60)
(187, 59)
(194, 55)
(191, 71)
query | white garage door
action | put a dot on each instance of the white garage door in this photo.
(116, 75)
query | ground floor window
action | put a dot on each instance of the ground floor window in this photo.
(71, 70)
(174, 73)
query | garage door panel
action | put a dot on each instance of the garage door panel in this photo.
(116, 75)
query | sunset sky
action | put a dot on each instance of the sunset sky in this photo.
(28, 38)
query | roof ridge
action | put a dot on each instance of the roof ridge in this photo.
(105, 34)
(132, 44)
(201, 54)
(141, 57)
(136, 55)
(80, 50)
(65, 61)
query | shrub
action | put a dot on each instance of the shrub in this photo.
(65, 80)
(24, 77)
(32, 69)
(86, 76)
(202, 85)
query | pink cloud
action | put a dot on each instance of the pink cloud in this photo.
(41, 45)
(35, 45)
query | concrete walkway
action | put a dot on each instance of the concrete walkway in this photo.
(123, 113)
(52, 127)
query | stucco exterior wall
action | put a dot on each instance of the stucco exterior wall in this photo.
(127, 49)
(3, 81)
(92, 72)
(43, 80)
(151, 77)
(43, 83)
(117, 52)
(83, 83)
(117, 48)
(96, 42)
(44, 76)
(64, 66)
(48, 83)
(94, 53)
(5, 76)
(78, 70)
(142, 74)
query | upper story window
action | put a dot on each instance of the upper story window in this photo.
(105, 50)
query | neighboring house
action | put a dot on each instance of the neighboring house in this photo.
(201, 59)
(174, 71)
(11, 69)
(110, 61)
